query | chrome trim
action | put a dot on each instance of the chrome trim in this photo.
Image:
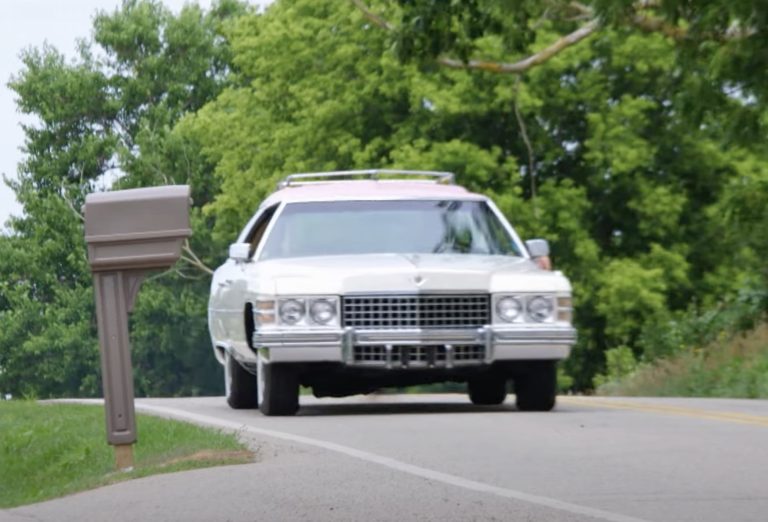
(524, 317)
(297, 338)
(508, 227)
(415, 293)
(493, 340)
(347, 345)
(252, 222)
(418, 356)
(487, 334)
(535, 336)
(268, 231)
(419, 336)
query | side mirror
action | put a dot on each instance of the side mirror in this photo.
(538, 247)
(239, 252)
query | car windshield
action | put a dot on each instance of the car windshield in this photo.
(376, 227)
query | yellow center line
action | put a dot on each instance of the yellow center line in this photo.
(722, 416)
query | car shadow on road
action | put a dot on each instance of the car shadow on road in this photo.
(399, 408)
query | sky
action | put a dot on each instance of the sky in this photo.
(30, 23)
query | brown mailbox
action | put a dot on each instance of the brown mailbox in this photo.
(128, 232)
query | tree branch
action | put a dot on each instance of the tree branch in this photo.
(638, 18)
(651, 24)
(187, 277)
(69, 203)
(528, 146)
(160, 274)
(533, 60)
(500, 67)
(373, 17)
(173, 270)
(192, 258)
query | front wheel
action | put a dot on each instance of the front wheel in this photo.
(279, 389)
(241, 387)
(535, 390)
(488, 390)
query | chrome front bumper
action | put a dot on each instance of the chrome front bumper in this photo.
(494, 343)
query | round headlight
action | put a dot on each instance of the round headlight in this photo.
(322, 311)
(508, 308)
(540, 309)
(291, 311)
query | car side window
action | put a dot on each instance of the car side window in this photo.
(256, 234)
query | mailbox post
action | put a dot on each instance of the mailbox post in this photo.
(129, 233)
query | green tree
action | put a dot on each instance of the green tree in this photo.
(108, 114)
(616, 145)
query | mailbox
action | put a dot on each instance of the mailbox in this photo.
(128, 232)
(136, 229)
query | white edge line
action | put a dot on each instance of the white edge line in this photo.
(388, 462)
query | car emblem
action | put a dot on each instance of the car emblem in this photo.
(418, 280)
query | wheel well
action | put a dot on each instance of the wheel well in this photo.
(249, 324)
(219, 351)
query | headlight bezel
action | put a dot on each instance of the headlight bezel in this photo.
(559, 305)
(306, 318)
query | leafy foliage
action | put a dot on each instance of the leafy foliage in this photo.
(108, 114)
(638, 149)
(731, 365)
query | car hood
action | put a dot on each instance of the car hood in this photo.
(406, 273)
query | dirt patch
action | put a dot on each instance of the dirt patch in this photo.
(212, 455)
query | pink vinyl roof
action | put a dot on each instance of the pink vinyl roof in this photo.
(369, 189)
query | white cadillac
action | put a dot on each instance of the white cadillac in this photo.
(347, 282)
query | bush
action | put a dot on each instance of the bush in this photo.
(731, 366)
(619, 363)
(739, 314)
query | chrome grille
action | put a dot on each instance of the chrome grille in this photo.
(405, 356)
(416, 311)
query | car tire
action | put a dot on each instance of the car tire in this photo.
(489, 390)
(241, 386)
(536, 389)
(279, 389)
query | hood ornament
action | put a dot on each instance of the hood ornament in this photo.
(418, 280)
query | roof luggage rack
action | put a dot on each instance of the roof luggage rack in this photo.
(371, 174)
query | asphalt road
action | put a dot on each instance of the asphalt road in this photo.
(434, 457)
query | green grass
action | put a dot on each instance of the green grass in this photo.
(732, 366)
(50, 450)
